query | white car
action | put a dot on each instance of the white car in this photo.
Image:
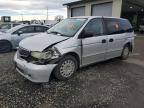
(7, 26)
(71, 44)
(141, 28)
(10, 39)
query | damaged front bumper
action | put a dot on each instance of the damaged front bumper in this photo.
(33, 72)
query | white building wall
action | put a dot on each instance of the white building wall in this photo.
(116, 8)
(88, 9)
(68, 12)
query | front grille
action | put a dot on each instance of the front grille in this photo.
(26, 55)
(23, 52)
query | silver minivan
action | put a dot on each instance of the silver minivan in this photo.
(71, 44)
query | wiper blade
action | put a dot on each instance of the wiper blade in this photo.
(55, 32)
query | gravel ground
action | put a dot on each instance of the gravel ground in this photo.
(110, 84)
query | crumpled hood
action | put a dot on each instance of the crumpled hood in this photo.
(40, 42)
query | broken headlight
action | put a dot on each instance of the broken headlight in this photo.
(50, 53)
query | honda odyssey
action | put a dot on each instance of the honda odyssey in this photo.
(71, 44)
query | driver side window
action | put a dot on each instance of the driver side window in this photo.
(94, 27)
(28, 29)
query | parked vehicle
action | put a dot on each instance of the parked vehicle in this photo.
(72, 44)
(7, 26)
(141, 28)
(49, 26)
(10, 39)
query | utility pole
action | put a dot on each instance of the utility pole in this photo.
(47, 14)
(22, 16)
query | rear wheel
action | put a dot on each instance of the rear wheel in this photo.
(66, 68)
(5, 46)
(125, 52)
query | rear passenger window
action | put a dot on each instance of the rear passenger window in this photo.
(118, 26)
(40, 29)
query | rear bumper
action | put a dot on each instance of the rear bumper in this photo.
(33, 72)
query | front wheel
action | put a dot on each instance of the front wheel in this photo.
(125, 52)
(5, 46)
(66, 68)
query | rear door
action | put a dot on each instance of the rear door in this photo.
(116, 37)
(94, 42)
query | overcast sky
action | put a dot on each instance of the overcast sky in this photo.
(33, 8)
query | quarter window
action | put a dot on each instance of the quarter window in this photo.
(126, 26)
(118, 26)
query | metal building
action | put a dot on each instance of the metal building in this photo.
(130, 9)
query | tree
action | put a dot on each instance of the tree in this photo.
(59, 18)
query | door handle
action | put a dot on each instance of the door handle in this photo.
(111, 40)
(103, 41)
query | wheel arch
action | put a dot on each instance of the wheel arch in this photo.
(130, 45)
(7, 41)
(6, 46)
(74, 55)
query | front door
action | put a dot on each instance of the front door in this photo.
(22, 34)
(94, 42)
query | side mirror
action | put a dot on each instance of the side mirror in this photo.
(19, 33)
(85, 34)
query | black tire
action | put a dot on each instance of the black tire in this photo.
(125, 52)
(141, 32)
(5, 46)
(58, 71)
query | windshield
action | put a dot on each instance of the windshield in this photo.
(67, 27)
(5, 26)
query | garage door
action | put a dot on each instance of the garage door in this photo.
(102, 9)
(80, 11)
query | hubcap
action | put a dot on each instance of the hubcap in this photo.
(67, 68)
(126, 52)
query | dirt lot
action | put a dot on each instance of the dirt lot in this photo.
(110, 84)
